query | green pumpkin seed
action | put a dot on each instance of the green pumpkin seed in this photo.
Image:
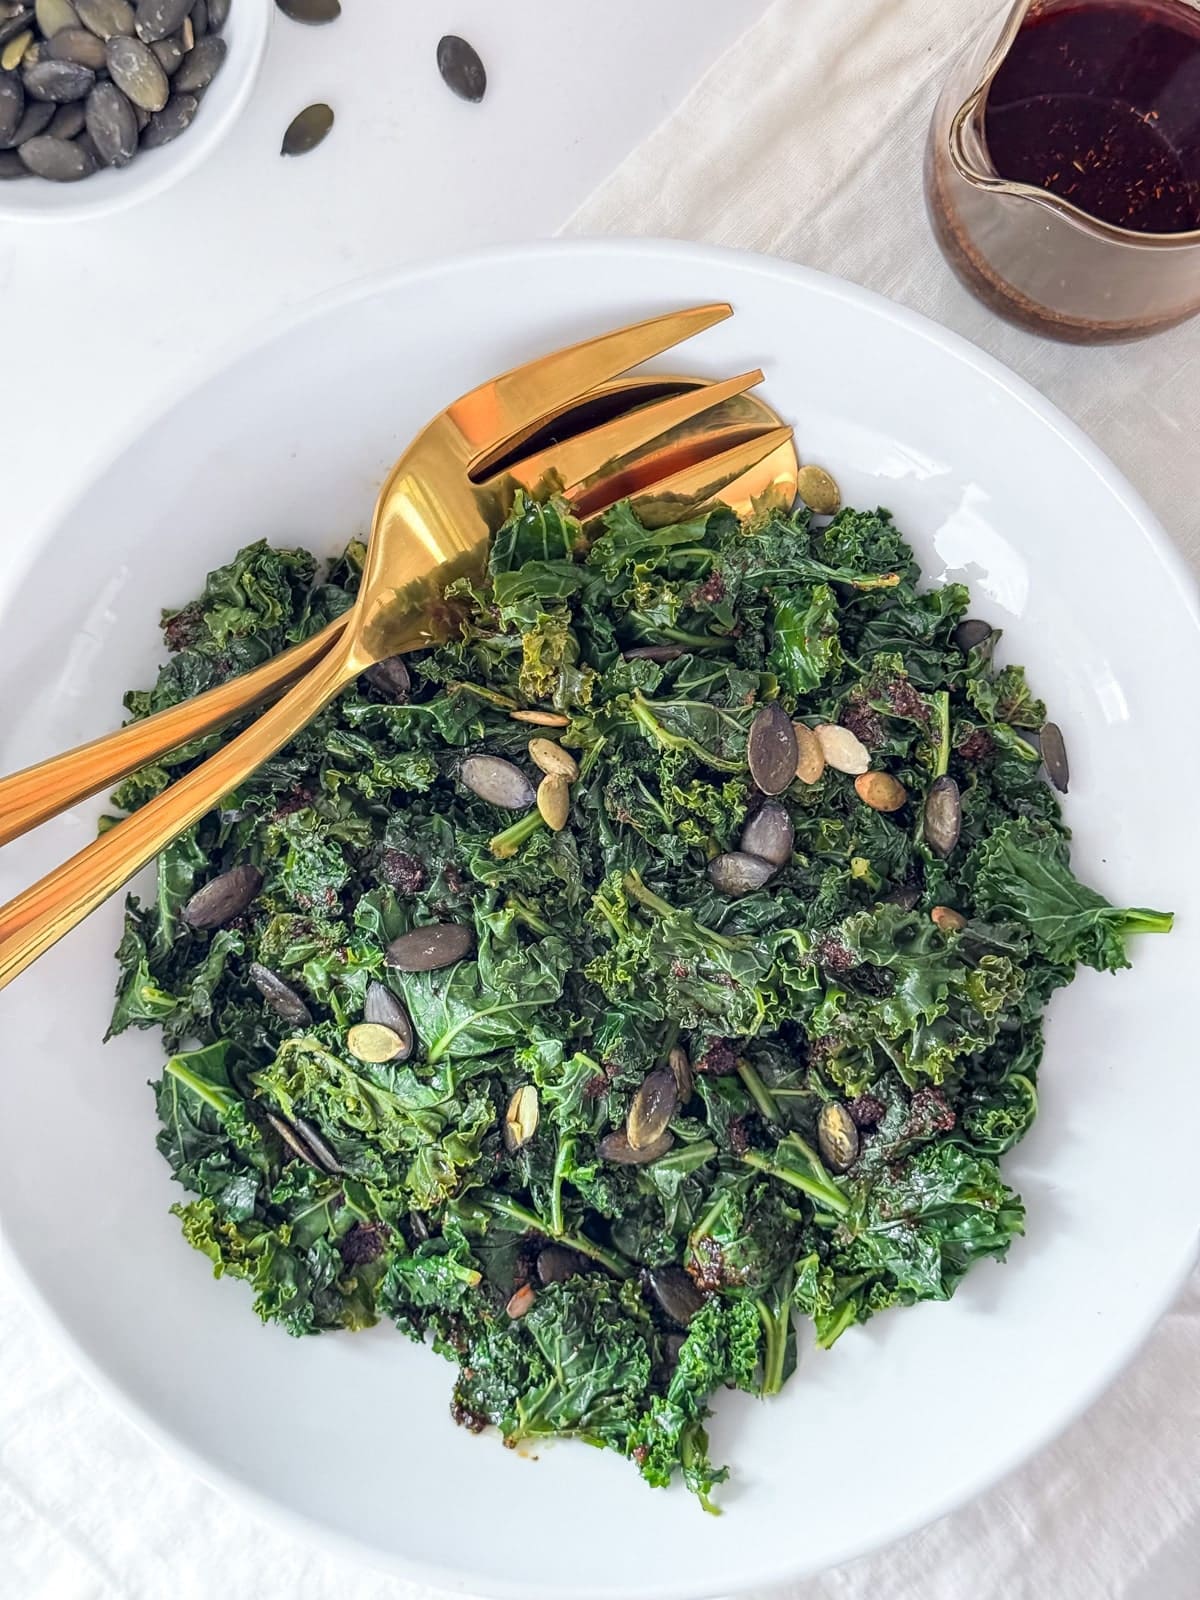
(226, 896)
(521, 1118)
(11, 166)
(12, 105)
(79, 45)
(738, 873)
(169, 53)
(497, 781)
(837, 1136)
(14, 50)
(136, 72)
(616, 1147)
(11, 26)
(112, 124)
(314, 12)
(55, 15)
(39, 114)
(942, 817)
(771, 749)
(218, 11)
(676, 1293)
(198, 17)
(373, 1041)
(201, 64)
(818, 490)
(69, 120)
(429, 949)
(60, 160)
(106, 18)
(461, 69)
(155, 19)
(280, 996)
(1054, 756)
(59, 81)
(769, 834)
(382, 1006)
(306, 130)
(652, 1108)
(171, 121)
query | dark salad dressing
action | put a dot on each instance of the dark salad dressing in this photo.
(1099, 103)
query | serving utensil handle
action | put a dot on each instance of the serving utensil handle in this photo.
(42, 791)
(38, 918)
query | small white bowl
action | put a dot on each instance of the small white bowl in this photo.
(152, 171)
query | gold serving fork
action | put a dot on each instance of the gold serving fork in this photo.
(432, 524)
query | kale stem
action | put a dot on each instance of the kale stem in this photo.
(577, 1241)
(221, 1100)
(942, 701)
(776, 1327)
(813, 1187)
(566, 1151)
(637, 890)
(709, 1220)
(506, 844)
(758, 1091)
(528, 915)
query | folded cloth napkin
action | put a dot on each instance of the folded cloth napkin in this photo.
(805, 140)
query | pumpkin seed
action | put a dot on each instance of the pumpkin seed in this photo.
(971, 633)
(314, 1141)
(554, 801)
(306, 130)
(771, 749)
(652, 1108)
(555, 1264)
(59, 81)
(676, 1293)
(843, 750)
(681, 1071)
(391, 677)
(311, 11)
(541, 719)
(372, 1041)
(653, 652)
(738, 873)
(198, 17)
(11, 166)
(818, 490)
(1054, 756)
(947, 919)
(70, 119)
(810, 758)
(380, 1005)
(521, 1302)
(218, 13)
(942, 821)
(167, 124)
(112, 125)
(429, 949)
(187, 35)
(291, 1138)
(880, 791)
(460, 67)
(553, 759)
(13, 51)
(521, 1118)
(499, 782)
(169, 53)
(616, 1147)
(55, 15)
(201, 64)
(837, 1136)
(134, 69)
(39, 114)
(107, 18)
(11, 26)
(226, 896)
(78, 44)
(280, 996)
(12, 105)
(769, 834)
(155, 19)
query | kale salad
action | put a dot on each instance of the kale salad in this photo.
(656, 964)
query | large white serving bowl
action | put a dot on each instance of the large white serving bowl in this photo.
(152, 171)
(349, 1436)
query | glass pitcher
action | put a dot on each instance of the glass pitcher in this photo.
(1034, 256)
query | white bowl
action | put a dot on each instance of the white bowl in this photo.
(151, 171)
(349, 1435)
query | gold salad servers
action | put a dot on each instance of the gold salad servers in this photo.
(563, 420)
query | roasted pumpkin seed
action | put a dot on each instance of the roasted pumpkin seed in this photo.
(947, 919)
(198, 17)
(55, 15)
(460, 67)
(843, 750)
(134, 69)
(554, 801)
(880, 791)
(201, 64)
(429, 949)
(553, 759)
(306, 130)
(837, 1136)
(681, 1071)
(38, 116)
(769, 834)
(616, 1147)
(555, 1264)
(59, 81)
(810, 758)
(280, 996)
(11, 166)
(737, 873)
(12, 105)
(942, 820)
(70, 119)
(155, 19)
(521, 1118)
(167, 124)
(218, 13)
(112, 125)
(295, 1145)
(79, 45)
(541, 719)
(661, 653)
(312, 1138)
(499, 782)
(381, 1006)
(771, 749)
(314, 12)
(107, 18)
(13, 53)
(391, 677)
(1054, 756)
(818, 490)
(971, 633)
(520, 1302)
(226, 896)
(374, 1042)
(676, 1293)
(652, 1108)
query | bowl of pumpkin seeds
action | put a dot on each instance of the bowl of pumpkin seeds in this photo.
(103, 102)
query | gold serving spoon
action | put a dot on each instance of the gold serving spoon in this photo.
(432, 524)
(643, 471)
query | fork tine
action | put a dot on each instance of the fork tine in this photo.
(499, 413)
(686, 491)
(585, 455)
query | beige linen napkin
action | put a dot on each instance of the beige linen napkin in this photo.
(805, 140)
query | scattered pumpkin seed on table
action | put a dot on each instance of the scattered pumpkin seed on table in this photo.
(306, 130)
(461, 69)
(313, 12)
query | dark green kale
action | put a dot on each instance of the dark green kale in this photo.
(481, 1191)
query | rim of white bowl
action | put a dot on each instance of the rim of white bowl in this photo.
(970, 1485)
(116, 189)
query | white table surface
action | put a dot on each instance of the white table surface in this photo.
(820, 108)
